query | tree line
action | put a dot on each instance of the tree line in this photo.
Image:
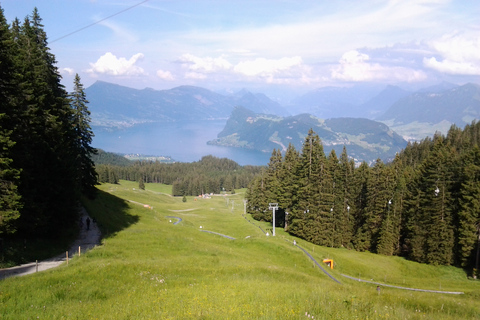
(209, 175)
(45, 136)
(424, 205)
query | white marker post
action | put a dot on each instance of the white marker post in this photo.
(273, 206)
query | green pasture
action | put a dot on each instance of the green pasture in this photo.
(149, 268)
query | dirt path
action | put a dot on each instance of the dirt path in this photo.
(403, 288)
(86, 240)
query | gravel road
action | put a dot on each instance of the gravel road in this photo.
(87, 239)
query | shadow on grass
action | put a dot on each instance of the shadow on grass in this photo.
(110, 212)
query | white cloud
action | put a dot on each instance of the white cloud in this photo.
(283, 70)
(68, 71)
(165, 75)
(460, 54)
(208, 64)
(111, 65)
(355, 66)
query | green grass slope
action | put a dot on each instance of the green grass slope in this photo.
(149, 268)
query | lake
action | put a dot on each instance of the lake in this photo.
(184, 142)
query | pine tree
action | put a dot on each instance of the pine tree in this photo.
(360, 192)
(431, 232)
(469, 213)
(345, 204)
(9, 176)
(311, 208)
(379, 194)
(83, 138)
(42, 131)
(289, 183)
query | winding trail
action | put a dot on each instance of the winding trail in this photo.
(318, 265)
(219, 234)
(255, 225)
(305, 251)
(403, 288)
(87, 240)
(178, 219)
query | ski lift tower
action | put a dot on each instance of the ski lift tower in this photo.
(273, 206)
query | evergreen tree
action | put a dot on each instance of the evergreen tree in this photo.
(272, 184)
(469, 213)
(289, 182)
(431, 235)
(345, 204)
(141, 184)
(361, 177)
(9, 176)
(310, 210)
(41, 129)
(83, 137)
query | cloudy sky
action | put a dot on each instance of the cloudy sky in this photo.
(260, 45)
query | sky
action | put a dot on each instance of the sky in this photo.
(271, 46)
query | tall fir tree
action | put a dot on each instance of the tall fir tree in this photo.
(310, 208)
(345, 203)
(289, 183)
(42, 132)
(9, 176)
(86, 174)
(431, 234)
(469, 213)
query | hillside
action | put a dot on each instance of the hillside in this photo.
(152, 265)
(366, 140)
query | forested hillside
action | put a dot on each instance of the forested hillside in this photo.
(425, 205)
(209, 175)
(365, 139)
(45, 136)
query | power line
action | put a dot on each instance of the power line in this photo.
(96, 22)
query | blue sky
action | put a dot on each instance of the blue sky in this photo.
(260, 45)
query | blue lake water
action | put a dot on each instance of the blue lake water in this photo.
(185, 142)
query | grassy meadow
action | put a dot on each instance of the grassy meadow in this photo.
(149, 268)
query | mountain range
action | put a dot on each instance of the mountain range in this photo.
(360, 116)
(117, 106)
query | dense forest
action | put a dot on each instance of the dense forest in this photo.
(45, 136)
(424, 205)
(209, 175)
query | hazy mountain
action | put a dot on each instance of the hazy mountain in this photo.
(438, 87)
(366, 140)
(459, 105)
(118, 106)
(383, 101)
(258, 102)
(421, 114)
(333, 102)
